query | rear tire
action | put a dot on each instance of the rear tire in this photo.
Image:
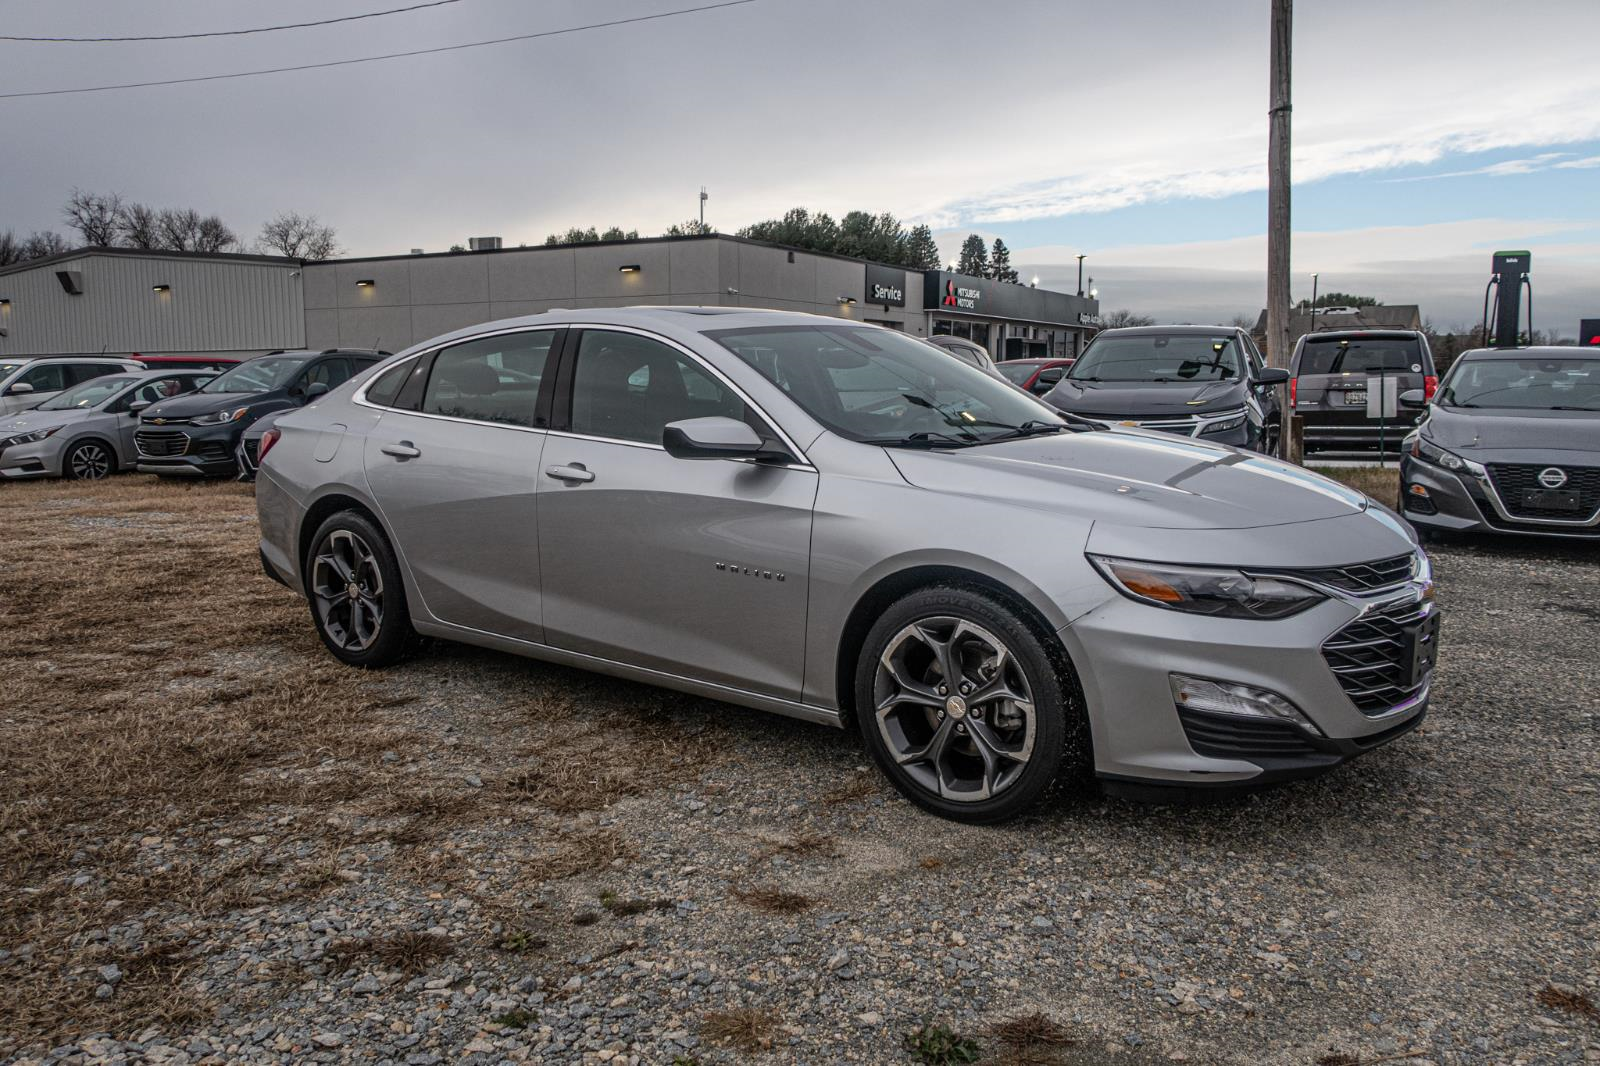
(981, 746)
(88, 460)
(357, 598)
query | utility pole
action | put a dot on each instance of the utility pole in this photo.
(704, 196)
(1080, 274)
(1278, 190)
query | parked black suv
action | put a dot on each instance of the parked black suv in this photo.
(1207, 382)
(195, 435)
(1328, 385)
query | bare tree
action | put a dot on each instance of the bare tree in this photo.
(138, 226)
(95, 216)
(299, 237)
(179, 228)
(213, 235)
(1243, 321)
(41, 243)
(1122, 318)
(10, 249)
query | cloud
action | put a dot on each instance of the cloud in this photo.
(1586, 163)
(1533, 165)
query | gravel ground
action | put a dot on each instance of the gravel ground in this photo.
(720, 886)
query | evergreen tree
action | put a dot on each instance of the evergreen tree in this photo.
(1000, 263)
(921, 252)
(974, 260)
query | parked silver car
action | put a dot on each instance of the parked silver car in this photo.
(833, 521)
(86, 432)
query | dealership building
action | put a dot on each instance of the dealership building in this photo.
(132, 302)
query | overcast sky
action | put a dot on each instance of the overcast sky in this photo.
(1427, 134)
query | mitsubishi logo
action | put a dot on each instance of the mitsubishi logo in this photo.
(1552, 477)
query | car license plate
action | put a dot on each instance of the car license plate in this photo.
(1423, 645)
(1356, 399)
(1551, 499)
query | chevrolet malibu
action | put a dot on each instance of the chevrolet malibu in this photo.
(836, 522)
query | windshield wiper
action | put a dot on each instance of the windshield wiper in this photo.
(1560, 407)
(1031, 428)
(923, 439)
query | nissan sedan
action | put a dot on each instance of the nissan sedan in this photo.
(834, 521)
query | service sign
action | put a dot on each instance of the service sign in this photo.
(886, 286)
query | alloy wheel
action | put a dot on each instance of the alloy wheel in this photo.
(347, 587)
(954, 708)
(89, 462)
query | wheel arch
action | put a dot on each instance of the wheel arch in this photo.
(891, 587)
(91, 437)
(320, 510)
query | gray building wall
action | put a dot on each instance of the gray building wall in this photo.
(215, 306)
(413, 298)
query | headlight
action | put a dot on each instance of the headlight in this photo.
(29, 438)
(1217, 591)
(1228, 420)
(220, 417)
(1432, 453)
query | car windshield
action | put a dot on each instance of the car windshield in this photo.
(1524, 384)
(7, 368)
(1360, 355)
(1159, 357)
(882, 387)
(258, 375)
(1018, 373)
(89, 394)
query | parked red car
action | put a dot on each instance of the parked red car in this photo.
(188, 362)
(1038, 376)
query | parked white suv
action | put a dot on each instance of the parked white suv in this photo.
(25, 382)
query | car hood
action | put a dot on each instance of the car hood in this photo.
(1135, 479)
(1502, 435)
(204, 403)
(1145, 399)
(33, 421)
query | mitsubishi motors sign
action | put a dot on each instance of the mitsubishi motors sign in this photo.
(959, 294)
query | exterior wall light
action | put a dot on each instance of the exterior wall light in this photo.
(5, 304)
(161, 288)
(630, 268)
(847, 300)
(364, 283)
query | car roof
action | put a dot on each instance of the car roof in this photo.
(116, 360)
(1542, 351)
(1035, 361)
(1156, 331)
(1336, 334)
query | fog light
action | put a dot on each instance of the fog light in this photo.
(1225, 697)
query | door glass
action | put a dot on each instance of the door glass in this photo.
(51, 377)
(387, 387)
(630, 388)
(492, 379)
(77, 373)
(329, 372)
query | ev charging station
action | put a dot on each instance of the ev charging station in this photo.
(1510, 278)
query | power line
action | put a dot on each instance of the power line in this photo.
(375, 59)
(229, 33)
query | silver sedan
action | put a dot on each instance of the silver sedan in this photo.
(86, 432)
(835, 522)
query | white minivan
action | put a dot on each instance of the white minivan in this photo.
(25, 382)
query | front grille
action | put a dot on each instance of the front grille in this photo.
(248, 456)
(1371, 657)
(1511, 479)
(1228, 736)
(1364, 577)
(161, 443)
(213, 450)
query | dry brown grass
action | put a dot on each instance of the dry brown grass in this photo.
(773, 900)
(1382, 483)
(157, 693)
(747, 1029)
(1031, 1040)
(853, 789)
(1568, 1001)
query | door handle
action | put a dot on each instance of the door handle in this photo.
(574, 473)
(404, 450)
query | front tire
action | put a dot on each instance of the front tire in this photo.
(88, 460)
(963, 706)
(358, 601)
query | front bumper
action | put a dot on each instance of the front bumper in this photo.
(39, 459)
(188, 450)
(1465, 503)
(1125, 653)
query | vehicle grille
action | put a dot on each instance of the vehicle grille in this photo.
(250, 447)
(213, 451)
(1510, 479)
(161, 443)
(1364, 577)
(1370, 657)
(1227, 736)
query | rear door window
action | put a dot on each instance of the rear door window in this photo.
(78, 373)
(492, 379)
(386, 388)
(329, 372)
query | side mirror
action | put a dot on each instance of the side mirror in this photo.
(315, 389)
(138, 405)
(1272, 375)
(21, 388)
(1413, 398)
(717, 437)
